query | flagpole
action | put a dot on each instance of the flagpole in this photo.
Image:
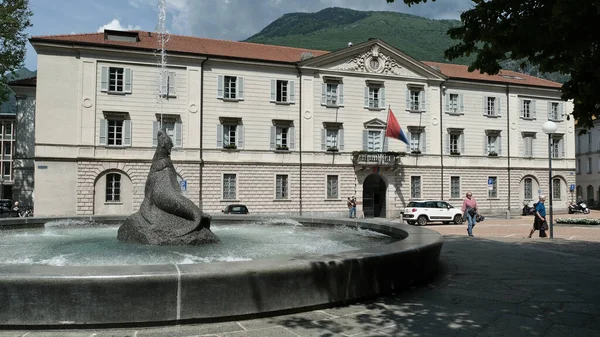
(387, 123)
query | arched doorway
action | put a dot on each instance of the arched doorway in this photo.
(113, 193)
(374, 205)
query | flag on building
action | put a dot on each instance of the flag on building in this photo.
(393, 129)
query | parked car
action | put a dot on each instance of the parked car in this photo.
(422, 212)
(235, 209)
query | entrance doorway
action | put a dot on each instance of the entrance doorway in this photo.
(374, 197)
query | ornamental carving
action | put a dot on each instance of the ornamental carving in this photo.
(373, 61)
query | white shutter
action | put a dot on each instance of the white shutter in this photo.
(383, 139)
(323, 139)
(562, 147)
(461, 104)
(239, 88)
(340, 99)
(104, 79)
(127, 132)
(366, 97)
(273, 90)
(485, 105)
(549, 111)
(292, 137)
(499, 145)
(272, 141)
(524, 147)
(423, 142)
(240, 136)
(382, 98)
(128, 80)
(561, 110)
(341, 139)
(178, 135)
(103, 131)
(407, 99)
(462, 143)
(172, 82)
(422, 105)
(522, 104)
(485, 145)
(447, 147)
(219, 136)
(323, 93)
(220, 86)
(408, 135)
(447, 102)
(532, 108)
(365, 140)
(291, 92)
(499, 106)
(155, 133)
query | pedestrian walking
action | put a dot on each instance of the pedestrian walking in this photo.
(349, 207)
(353, 201)
(469, 209)
(539, 222)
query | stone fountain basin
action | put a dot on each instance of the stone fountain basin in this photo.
(154, 294)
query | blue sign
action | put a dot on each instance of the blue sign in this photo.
(490, 181)
(183, 185)
(572, 187)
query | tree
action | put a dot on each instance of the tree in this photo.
(14, 19)
(555, 35)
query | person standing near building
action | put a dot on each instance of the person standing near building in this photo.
(353, 201)
(539, 223)
(349, 207)
(469, 209)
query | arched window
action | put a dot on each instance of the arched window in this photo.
(113, 187)
(528, 189)
(590, 194)
(556, 188)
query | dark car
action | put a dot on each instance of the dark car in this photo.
(235, 209)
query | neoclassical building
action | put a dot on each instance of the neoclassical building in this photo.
(588, 166)
(287, 130)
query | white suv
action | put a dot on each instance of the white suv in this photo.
(422, 212)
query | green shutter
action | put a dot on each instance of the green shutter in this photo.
(103, 131)
(127, 132)
(128, 80)
(104, 79)
(291, 92)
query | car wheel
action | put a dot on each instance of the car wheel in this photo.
(410, 222)
(422, 220)
(458, 219)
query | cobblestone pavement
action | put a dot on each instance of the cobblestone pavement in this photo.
(498, 283)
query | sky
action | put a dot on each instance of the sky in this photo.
(218, 19)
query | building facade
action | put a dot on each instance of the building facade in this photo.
(588, 166)
(286, 130)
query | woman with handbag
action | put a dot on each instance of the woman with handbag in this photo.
(539, 223)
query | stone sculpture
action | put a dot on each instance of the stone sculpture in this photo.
(166, 217)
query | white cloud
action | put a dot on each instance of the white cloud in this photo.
(116, 25)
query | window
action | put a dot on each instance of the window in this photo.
(7, 150)
(374, 140)
(116, 79)
(455, 144)
(558, 146)
(415, 99)
(454, 103)
(171, 124)
(578, 166)
(492, 143)
(230, 87)
(493, 192)
(113, 187)
(230, 133)
(492, 106)
(554, 111)
(115, 130)
(374, 97)
(8, 131)
(589, 170)
(332, 137)
(416, 140)
(282, 135)
(556, 189)
(332, 187)
(281, 186)
(167, 87)
(282, 91)
(527, 144)
(577, 144)
(455, 187)
(527, 109)
(590, 141)
(6, 146)
(229, 186)
(415, 187)
(528, 189)
(332, 94)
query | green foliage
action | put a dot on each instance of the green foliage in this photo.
(14, 19)
(581, 221)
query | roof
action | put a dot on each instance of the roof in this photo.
(262, 52)
(456, 71)
(24, 82)
(191, 45)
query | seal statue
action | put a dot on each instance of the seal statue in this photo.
(166, 217)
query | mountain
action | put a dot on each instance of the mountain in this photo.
(20, 74)
(332, 28)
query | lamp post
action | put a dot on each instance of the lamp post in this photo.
(549, 128)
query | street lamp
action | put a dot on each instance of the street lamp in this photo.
(549, 128)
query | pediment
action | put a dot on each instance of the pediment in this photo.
(374, 57)
(375, 123)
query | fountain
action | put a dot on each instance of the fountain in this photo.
(159, 291)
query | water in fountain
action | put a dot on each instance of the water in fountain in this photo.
(63, 243)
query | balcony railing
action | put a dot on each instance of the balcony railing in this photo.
(368, 158)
